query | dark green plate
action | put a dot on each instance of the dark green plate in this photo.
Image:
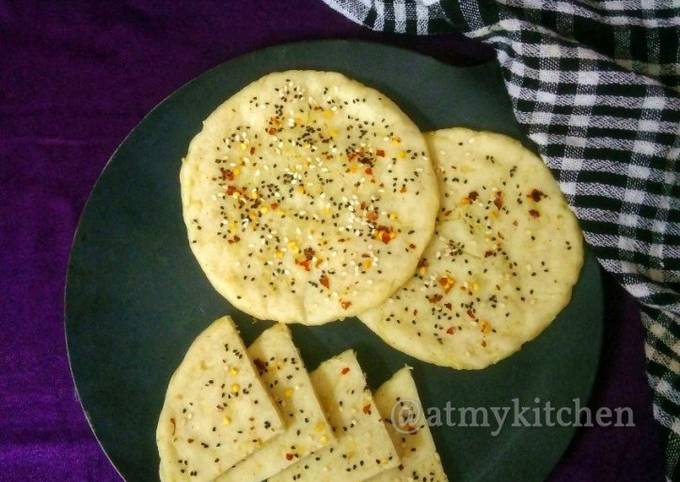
(136, 298)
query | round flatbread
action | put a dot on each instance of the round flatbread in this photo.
(501, 265)
(308, 197)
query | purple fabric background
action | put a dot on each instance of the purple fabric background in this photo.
(75, 78)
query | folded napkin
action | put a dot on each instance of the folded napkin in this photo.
(596, 86)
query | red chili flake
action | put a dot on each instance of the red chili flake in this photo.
(534, 213)
(289, 456)
(385, 234)
(488, 253)
(345, 304)
(227, 174)
(367, 409)
(259, 364)
(231, 190)
(434, 298)
(372, 216)
(271, 131)
(380, 153)
(498, 200)
(536, 195)
(473, 196)
(451, 330)
(274, 205)
(305, 263)
(403, 188)
(365, 160)
(344, 371)
(446, 283)
(448, 306)
(422, 263)
(325, 281)
(410, 429)
(233, 240)
(368, 171)
(471, 313)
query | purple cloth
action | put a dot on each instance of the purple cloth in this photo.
(74, 80)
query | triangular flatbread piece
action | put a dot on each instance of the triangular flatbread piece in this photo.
(216, 410)
(398, 402)
(363, 447)
(284, 375)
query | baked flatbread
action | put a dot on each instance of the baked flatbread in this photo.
(501, 265)
(398, 402)
(284, 375)
(363, 447)
(308, 197)
(216, 411)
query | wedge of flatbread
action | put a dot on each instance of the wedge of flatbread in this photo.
(308, 197)
(284, 375)
(216, 410)
(501, 265)
(363, 447)
(398, 402)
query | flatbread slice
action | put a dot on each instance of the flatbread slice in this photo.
(284, 375)
(501, 265)
(308, 197)
(216, 410)
(363, 447)
(399, 404)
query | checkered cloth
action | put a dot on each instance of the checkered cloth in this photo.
(596, 86)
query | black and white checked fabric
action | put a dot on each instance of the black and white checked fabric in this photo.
(596, 86)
